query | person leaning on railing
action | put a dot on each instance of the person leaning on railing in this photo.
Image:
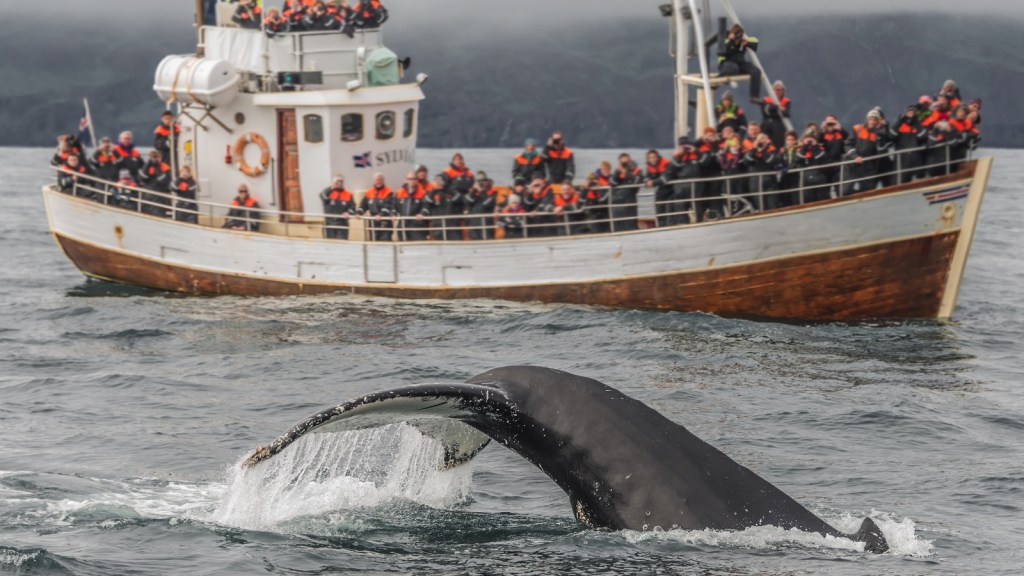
(156, 177)
(123, 194)
(969, 135)
(730, 158)
(248, 15)
(539, 221)
(812, 158)
(512, 217)
(244, 213)
(294, 13)
(763, 160)
(185, 208)
(596, 195)
(104, 161)
(411, 208)
(483, 201)
(684, 169)
(867, 141)
(910, 137)
(457, 179)
(528, 164)
(834, 137)
(708, 205)
(378, 204)
(626, 181)
(657, 178)
(339, 207)
(69, 174)
(318, 20)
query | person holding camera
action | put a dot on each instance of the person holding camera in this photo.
(684, 169)
(732, 59)
(626, 181)
(761, 160)
(833, 137)
(910, 135)
(559, 160)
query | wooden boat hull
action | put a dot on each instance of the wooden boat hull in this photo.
(888, 254)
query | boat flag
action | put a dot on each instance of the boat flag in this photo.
(86, 135)
(363, 161)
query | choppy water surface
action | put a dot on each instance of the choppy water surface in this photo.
(123, 414)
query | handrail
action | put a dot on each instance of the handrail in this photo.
(579, 221)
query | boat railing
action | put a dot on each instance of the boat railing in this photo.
(692, 201)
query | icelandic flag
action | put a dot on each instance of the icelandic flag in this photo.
(363, 161)
(85, 133)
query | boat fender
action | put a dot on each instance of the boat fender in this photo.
(243, 142)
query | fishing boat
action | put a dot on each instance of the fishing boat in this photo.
(284, 114)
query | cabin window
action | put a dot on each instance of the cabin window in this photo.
(313, 128)
(410, 122)
(351, 127)
(385, 126)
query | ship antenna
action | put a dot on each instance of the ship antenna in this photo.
(200, 49)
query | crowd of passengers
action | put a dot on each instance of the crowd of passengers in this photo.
(778, 166)
(311, 16)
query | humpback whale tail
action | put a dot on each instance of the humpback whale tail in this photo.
(622, 464)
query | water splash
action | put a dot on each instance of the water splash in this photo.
(323, 473)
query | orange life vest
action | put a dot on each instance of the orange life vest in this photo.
(560, 154)
(659, 168)
(250, 202)
(785, 102)
(863, 133)
(381, 194)
(342, 195)
(122, 152)
(522, 160)
(562, 201)
(151, 169)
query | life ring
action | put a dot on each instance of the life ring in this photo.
(243, 142)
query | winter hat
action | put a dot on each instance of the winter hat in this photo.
(949, 84)
(874, 114)
(779, 84)
(728, 96)
(976, 101)
(926, 100)
(515, 199)
(530, 141)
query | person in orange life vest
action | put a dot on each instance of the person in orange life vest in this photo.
(104, 162)
(707, 150)
(156, 176)
(368, 15)
(123, 195)
(559, 161)
(729, 114)
(657, 168)
(248, 15)
(412, 208)
(339, 208)
(275, 23)
(730, 160)
(512, 217)
(626, 182)
(185, 208)
(866, 141)
(378, 204)
(910, 135)
(833, 136)
(528, 164)
(773, 112)
(128, 157)
(753, 131)
(564, 205)
(165, 135)
(941, 137)
(596, 195)
(951, 93)
(761, 160)
(318, 20)
(684, 169)
(244, 213)
(454, 200)
(789, 182)
(67, 145)
(812, 156)
(732, 59)
(968, 135)
(538, 221)
(483, 200)
(70, 172)
(294, 14)
(974, 112)
(940, 111)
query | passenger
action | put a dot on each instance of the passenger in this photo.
(124, 195)
(559, 161)
(244, 213)
(483, 203)
(69, 176)
(924, 108)
(368, 15)
(732, 61)
(763, 160)
(441, 202)
(379, 205)
(596, 195)
(865, 143)
(951, 93)
(657, 178)
(156, 177)
(753, 132)
(773, 112)
(940, 112)
(834, 138)
(887, 175)
(626, 182)
(730, 115)
(458, 180)
(941, 138)
(815, 183)
(910, 136)
(340, 11)
(185, 208)
(512, 218)
(295, 15)
(318, 20)
(67, 145)
(707, 150)
(128, 157)
(730, 157)
(275, 23)
(538, 221)
(969, 135)
(528, 164)
(974, 112)
(165, 136)
(339, 208)
(423, 180)
(412, 208)
(686, 168)
(789, 184)
(248, 15)
(565, 206)
(104, 161)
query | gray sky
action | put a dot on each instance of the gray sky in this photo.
(473, 12)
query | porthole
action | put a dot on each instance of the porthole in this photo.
(239, 118)
(385, 125)
(351, 127)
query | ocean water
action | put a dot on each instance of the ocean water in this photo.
(124, 413)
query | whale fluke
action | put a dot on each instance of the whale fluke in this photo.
(623, 464)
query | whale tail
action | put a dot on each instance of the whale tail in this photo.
(871, 535)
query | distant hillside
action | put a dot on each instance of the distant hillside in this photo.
(605, 86)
